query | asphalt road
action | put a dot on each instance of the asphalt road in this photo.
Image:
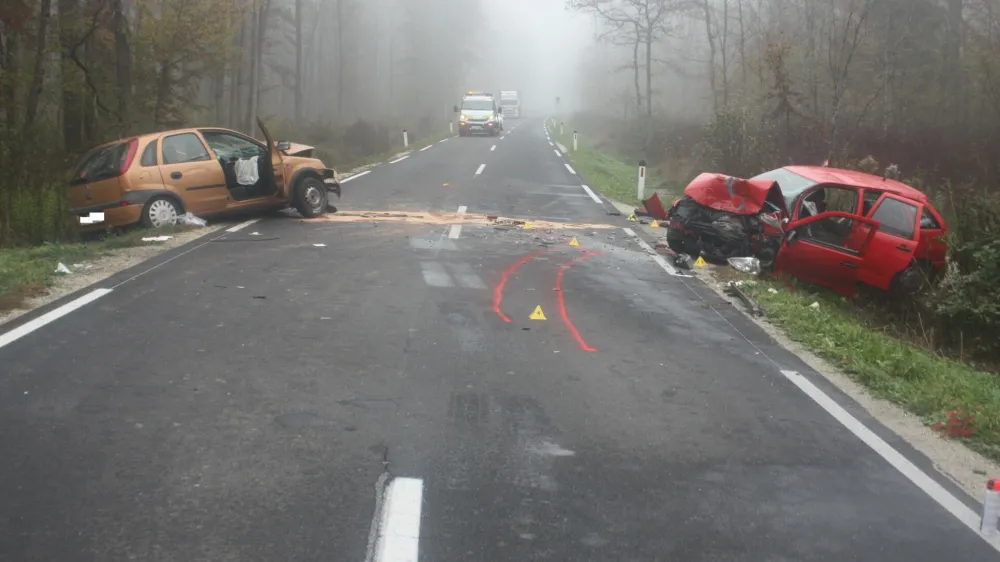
(386, 395)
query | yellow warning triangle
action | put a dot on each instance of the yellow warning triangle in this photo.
(528, 225)
(655, 224)
(573, 242)
(537, 314)
(700, 262)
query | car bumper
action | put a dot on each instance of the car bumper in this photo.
(111, 217)
(483, 128)
(331, 180)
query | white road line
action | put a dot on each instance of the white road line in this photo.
(591, 194)
(552, 145)
(936, 491)
(481, 168)
(51, 316)
(355, 176)
(656, 257)
(425, 148)
(442, 140)
(570, 168)
(435, 275)
(399, 533)
(559, 154)
(466, 277)
(399, 159)
(242, 225)
(456, 229)
(492, 148)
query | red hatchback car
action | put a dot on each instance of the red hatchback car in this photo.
(879, 231)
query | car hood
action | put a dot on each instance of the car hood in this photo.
(476, 114)
(296, 149)
(731, 194)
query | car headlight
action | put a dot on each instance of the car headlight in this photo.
(463, 117)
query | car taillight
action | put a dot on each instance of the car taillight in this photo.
(129, 156)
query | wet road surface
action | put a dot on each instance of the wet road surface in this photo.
(376, 389)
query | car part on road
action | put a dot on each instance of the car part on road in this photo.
(310, 198)
(188, 219)
(735, 288)
(683, 261)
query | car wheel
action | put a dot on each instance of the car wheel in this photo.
(682, 244)
(310, 198)
(159, 212)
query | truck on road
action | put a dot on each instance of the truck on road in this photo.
(510, 102)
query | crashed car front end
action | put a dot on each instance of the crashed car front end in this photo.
(721, 217)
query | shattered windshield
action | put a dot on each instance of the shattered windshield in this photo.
(790, 183)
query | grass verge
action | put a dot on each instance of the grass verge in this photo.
(954, 398)
(27, 272)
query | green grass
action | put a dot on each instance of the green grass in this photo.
(922, 382)
(611, 175)
(26, 272)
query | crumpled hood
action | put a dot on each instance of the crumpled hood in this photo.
(295, 149)
(730, 194)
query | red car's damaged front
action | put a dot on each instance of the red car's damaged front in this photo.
(828, 226)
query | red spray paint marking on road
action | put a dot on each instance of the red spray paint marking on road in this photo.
(498, 290)
(562, 299)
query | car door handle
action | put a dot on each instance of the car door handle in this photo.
(176, 175)
(849, 264)
(904, 248)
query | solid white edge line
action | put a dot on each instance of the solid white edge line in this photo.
(556, 150)
(570, 168)
(492, 148)
(426, 148)
(456, 229)
(591, 194)
(399, 159)
(480, 169)
(652, 253)
(242, 225)
(50, 316)
(552, 145)
(936, 491)
(355, 176)
(399, 534)
(442, 140)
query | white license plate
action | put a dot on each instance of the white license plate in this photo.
(92, 218)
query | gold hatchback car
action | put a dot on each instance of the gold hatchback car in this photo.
(155, 178)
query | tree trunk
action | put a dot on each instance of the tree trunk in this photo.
(649, 72)
(252, 88)
(38, 74)
(72, 100)
(711, 55)
(236, 79)
(340, 59)
(635, 70)
(123, 56)
(299, 62)
(725, 53)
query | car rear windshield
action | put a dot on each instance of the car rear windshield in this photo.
(101, 163)
(790, 183)
(477, 105)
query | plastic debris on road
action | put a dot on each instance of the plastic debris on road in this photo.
(156, 238)
(746, 265)
(814, 305)
(188, 219)
(61, 268)
(683, 261)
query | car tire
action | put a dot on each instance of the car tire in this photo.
(310, 198)
(682, 244)
(160, 211)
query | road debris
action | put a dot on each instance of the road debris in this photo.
(814, 305)
(749, 265)
(156, 238)
(735, 288)
(442, 218)
(188, 219)
(61, 268)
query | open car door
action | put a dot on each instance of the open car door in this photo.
(277, 162)
(820, 261)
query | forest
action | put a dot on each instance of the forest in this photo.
(744, 86)
(342, 75)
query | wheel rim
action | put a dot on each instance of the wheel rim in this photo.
(162, 213)
(314, 198)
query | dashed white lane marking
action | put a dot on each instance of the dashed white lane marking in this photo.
(435, 274)
(355, 176)
(399, 532)
(559, 154)
(425, 148)
(442, 140)
(456, 229)
(51, 316)
(936, 491)
(591, 194)
(492, 148)
(480, 169)
(466, 276)
(242, 225)
(656, 257)
(570, 168)
(399, 159)
(552, 145)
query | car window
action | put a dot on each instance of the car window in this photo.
(101, 163)
(927, 221)
(228, 146)
(790, 184)
(477, 105)
(185, 147)
(871, 197)
(149, 154)
(897, 217)
(835, 231)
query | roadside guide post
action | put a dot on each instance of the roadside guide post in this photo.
(560, 129)
(642, 180)
(451, 127)
(574, 141)
(991, 508)
(406, 139)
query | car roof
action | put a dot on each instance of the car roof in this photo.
(823, 174)
(157, 134)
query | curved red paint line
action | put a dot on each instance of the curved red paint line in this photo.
(498, 290)
(562, 299)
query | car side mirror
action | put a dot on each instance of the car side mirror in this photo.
(284, 145)
(456, 109)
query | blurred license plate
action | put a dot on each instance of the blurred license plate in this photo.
(92, 218)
